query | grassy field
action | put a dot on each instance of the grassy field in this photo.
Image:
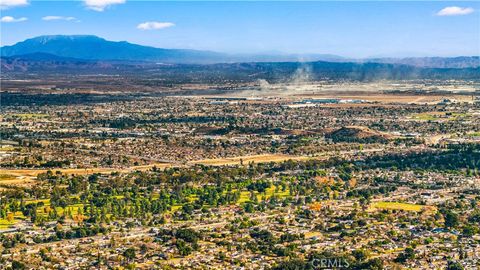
(247, 159)
(474, 134)
(398, 206)
(425, 116)
(434, 116)
(5, 224)
(245, 195)
(41, 211)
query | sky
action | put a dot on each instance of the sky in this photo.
(347, 28)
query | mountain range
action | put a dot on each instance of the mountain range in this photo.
(48, 64)
(89, 47)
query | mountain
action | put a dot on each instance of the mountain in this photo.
(86, 53)
(39, 56)
(96, 48)
(89, 47)
(46, 62)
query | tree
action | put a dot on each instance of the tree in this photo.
(373, 264)
(16, 265)
(129, 254)
(454, 266)
(183, 248)
(407, 254)
(451, 219)
(143, 248)
(360, 254)
(248, 207)
(468, 231)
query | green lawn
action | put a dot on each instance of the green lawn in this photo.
(397, 206)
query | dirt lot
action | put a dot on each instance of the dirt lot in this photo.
(248, 159)
(26, 177)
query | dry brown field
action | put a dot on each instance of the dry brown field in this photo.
(247, 159)
(27, 177)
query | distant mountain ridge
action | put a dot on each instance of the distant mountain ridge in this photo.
(96, 48)
(90, 47)
(43, 62)
(433, 62)
(48, 64)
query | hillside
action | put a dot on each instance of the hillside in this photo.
(93, 47)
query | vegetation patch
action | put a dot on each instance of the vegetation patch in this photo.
(397, 206)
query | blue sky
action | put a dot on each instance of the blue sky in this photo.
(347, 28)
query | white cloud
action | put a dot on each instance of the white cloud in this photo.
(10, 19)
(154, 25)
(59, 18)
(100, 5)
(455, 11)
(4, 4)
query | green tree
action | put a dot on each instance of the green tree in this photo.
(129, 254)
(454, 266)
(16, 265)
(451, 219)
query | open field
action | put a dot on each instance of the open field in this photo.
(15, 173)
(6, 177)
(15, 179)
(5, 224)
(36, 172)
(474, 134)
(399, 206)
(248, 159)
(434, 116)
(27, 177)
